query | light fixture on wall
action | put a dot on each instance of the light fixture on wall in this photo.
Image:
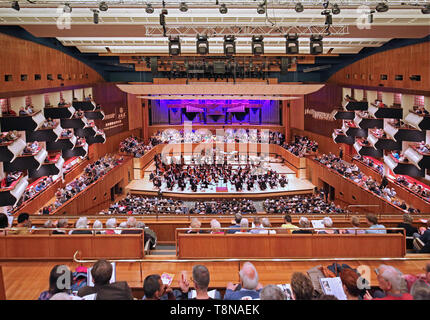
(299, 7)
(149, 9)
(95, 16)
(15, 5)
(103, 6)
(183, 7)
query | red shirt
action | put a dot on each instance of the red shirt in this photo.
(405, 296)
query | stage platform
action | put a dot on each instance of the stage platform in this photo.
(224, 190)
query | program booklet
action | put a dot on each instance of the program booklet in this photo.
(287, 290)
(167, 278)
(317, 224)
(333, 287)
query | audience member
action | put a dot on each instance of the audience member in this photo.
(60, 283)
(248, 289)
(272, 292)
(302, 286)
(372, 221)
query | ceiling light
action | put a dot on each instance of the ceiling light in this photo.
(292, 46)
(335, 9)
(183, 7)
(223, 9)
(174, 46)
(67, 8)
(299, 7)
(382, 7)
(149, 9)
(316, 44)
(261, 9)
(426, 9)
(96, 16)
(325, 4)
(15, 5)
(229, 45)
(202, 45)
(103, 6)
(257, 45)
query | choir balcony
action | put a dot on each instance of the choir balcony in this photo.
(100, 137)
(63, 112)
(80, 150)
(356, 105)
(344, 115)
(52, 166)
(88, 131)
(419, 156)
(74, 123)
(340, 137)
(65, 142)
(402, 166)
(11, 146)
(22, 123)
(84, 105)
(403, 132)
(27, 160)
(351, 130)
(365, 121)
(364, 148)
(10, 195)
(45, 133)
(95, 115)
(418, 121)
(381, 141)
(394, 112)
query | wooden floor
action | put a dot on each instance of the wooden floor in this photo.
(26, 280)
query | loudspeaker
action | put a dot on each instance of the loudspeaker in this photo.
(154, 65)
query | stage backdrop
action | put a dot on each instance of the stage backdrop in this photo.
(320, 107)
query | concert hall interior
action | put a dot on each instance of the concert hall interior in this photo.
(281, 147)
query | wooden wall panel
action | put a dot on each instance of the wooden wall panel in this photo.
(2, 288)
(297, 114)
(21, 57)
(135, 111)
(409, 60)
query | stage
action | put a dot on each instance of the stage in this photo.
(224, 190)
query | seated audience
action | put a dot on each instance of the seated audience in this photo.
(62, 223)
(328, 223)
(59, 289)
(420, 290)
(216, 227)
(350, 280)
(302, 286)
(248, 289)
(201, 280)
(82, 226)
(372, 221)
(154, 289)
(236, 227)
(288, 223)
(272, 292)
(303, 224)
(390, 281)
(355, 222)
(409, 229)
(23, 226)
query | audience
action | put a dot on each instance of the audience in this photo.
(154, 289)
(137, 148)
(248, 289)
(224, 206)
(390, 281)
(23, 226)
(201, 280)
(301, 146)
(302, 286)
(60, 282)
(135, 204)
(372, 222)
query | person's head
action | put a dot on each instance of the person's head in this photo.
(195, 223)
(355, 221)
(24, 220)
(140, 225)
(287, 218)
(371, 219)
(215, 225)
(272, 292)
(420, 290)
(304, 222)
(248, 276)
(60, 279)
(328, 223)
(153, 287)
(266, 222)
(97, 224)
(302, 286)
(390, 280)
(48, 224)
(131, 222)
(244, 223)
(257, 221)
(201, 277)
(62, 223)
(101, 272)
(82, 223)
(407, 218)
(326, 297)
(349, 280)
(237, 218)
(4, 222)
(111, 223)
(123, 225)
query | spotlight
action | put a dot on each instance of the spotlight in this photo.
(325, 4)
(316, 44)
(426, 9)
(257, 45)
(96, 16)
(149, 9)
(299, 7)
(370, 16)
(328, 17)
(223, 9)
(103, 6)
(183, 7)
(335, 9)
(382, 7)
(163, 17)
(229, 45)
(202, 45)
(174, 46)
(67, 8)
(292, 44)
(15, 5)
(261, 9)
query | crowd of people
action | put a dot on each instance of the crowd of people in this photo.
(220, 207)
(301, 146)
(352, 172)
(134, 204)
(10, 178)
(370, 163)
(90, 174)
(8, 136)
(416, 188)
(133, 145)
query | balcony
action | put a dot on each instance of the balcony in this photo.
(22, 123)
(402, 167)
(356, 105)
(86, 132)
(95, 115)
(84, 105)
(27, 161)
(44, 134)
(381, 141)
(365, 121)
(52, 166)
(65, 112)
(344, 115)
(404, 132)
(364, 148)
(63, 143)
(75, 123)
(9, 150)
(80, 150)
(420, 122)
(98, 138)
(351, 130)
(9, 196)
(418, 158)
(385, 113)
(340, 137)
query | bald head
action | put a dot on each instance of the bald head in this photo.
(249, 276)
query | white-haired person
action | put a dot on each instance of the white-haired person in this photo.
(244, 226)
(81, 226)
(328, 223)
(98, 225)
(131, 227)
(216, 227)
(111, 224)
(249, 287)
(272, 292)
(266, 225)
(303, 225)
